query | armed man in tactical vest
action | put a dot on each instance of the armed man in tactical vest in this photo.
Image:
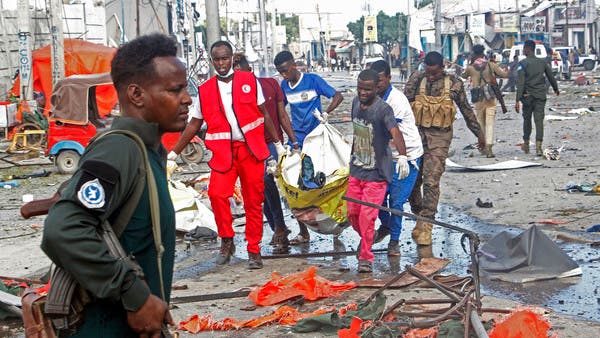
(483, 75)
(531, 91)
(432, 94)
(232, 106)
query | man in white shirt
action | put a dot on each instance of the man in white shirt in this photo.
(398, 190)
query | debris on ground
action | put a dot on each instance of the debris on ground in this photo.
(526, 257)
(482, 204)
(523, 323)
(305, 283)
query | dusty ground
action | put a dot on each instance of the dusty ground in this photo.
(520, 197)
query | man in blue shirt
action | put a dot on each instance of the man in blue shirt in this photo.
(303, 93)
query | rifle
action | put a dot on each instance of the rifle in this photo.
(41, 207)
(496, 89)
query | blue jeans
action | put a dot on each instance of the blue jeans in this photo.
(272, 204)
(396, 195)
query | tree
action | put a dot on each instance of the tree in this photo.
(390, 29)
(291, 27)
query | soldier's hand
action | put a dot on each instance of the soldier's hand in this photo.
(518, 107)
(148, 320)
(557, 92)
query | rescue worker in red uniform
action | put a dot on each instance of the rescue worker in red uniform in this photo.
(232, 106)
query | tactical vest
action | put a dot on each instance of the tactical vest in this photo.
(249, 118)
(434, 111)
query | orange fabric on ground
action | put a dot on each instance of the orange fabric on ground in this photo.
(284, 315)
(353, 331)
(430, 332)
(524, 323)
(305, 283)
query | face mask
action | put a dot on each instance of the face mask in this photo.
(229, 73)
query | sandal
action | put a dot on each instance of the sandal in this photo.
(299, 239)
(281, 249)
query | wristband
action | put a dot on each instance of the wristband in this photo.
(295, 143)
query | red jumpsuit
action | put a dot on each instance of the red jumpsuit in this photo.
(233, 159)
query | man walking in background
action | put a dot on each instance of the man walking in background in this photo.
(531, 91)
(483, 74)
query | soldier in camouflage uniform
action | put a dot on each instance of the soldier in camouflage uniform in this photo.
(432, 94)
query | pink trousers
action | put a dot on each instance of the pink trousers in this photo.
(362, 217)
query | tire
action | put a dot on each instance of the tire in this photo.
(67, 161)
(33, 140)
(192, 153)
(588, 64)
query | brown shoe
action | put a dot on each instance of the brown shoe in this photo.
(227, 250)
(488, 151)
(525, 146)
(538, 148)
(421, 234)
(254, 261)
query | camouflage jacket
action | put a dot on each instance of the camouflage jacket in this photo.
(457, 93)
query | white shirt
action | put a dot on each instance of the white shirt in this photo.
(226, 93)
(194, 110)
(406, 123)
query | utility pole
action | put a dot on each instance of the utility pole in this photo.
(5, 41)
(567, 23)
(263, 37)
(212, 25)
(438, 24)
(408, 53)
(137, 18)
(518, 10)
(274, 48)
(57, 52)
(25, 62)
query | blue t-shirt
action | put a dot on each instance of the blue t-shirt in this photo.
(303, 99)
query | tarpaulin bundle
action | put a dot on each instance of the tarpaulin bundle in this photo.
(81, 57)
(322, 208)
(284, 315)
(305, 283)
(522, 323)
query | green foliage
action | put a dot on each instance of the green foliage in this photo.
(389, 28)
(291, 27)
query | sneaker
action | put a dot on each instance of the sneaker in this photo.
(393, 249)
(380, 234)
(254, 261)
(364, 266)
(227, 250)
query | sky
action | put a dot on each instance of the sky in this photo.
(340, 11)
